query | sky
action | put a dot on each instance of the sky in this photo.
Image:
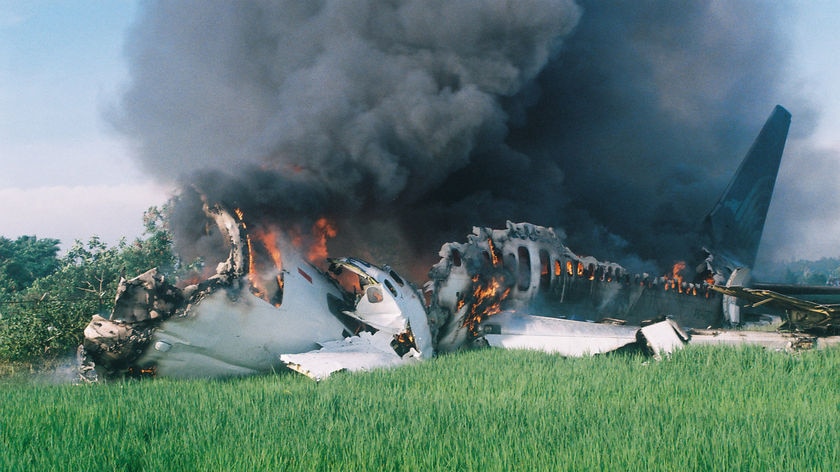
(66, 173)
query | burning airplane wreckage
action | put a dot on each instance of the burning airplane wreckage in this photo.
(250, 318)
(267, 308)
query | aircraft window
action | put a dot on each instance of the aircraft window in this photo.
(488, 328)
(545, 269)
(396, 278)
(391, 287)
(456, 258)
(510, 260)
(524, 268)
(374, 294)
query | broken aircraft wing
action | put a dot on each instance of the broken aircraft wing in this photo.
(802, 314)
(357, 353)
(577, 338)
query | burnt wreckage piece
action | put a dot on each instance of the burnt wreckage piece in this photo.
(220, 327)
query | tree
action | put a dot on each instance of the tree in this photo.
(47, 318)
(25, 260)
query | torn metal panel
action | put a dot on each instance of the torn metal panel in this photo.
(664, 337)
(357, 353)
(146, 297)
(111, 346)
(731, 308)
(387, 302)
(228, 336)
(575, 338)
(801, 314)
(554, 335)
(236, 322)
(778, 341)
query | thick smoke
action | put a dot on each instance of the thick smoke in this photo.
(408, 122)
(649, 110)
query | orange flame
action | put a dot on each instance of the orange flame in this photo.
(321, 230)
(486, 301)
(494, 256)
(269, 241)
(460, 304)
(403, 342)
(263, 242)
(674, 280)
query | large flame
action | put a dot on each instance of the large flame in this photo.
(321, 231)
(314, 242)
(487, 297)
(265, 261)
(268, 238)
(674, 280)
(269, 241)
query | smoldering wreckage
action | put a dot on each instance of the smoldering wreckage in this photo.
(354, 315)
(268, 308)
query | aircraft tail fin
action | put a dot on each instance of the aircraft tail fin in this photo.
(735, 224)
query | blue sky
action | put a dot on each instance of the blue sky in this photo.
(65, 173)
(816, 42)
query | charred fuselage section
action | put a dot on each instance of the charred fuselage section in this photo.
(526, 267)
(264, 301)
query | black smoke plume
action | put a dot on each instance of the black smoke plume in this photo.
(408, 122)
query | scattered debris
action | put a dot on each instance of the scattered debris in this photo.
(352, 354)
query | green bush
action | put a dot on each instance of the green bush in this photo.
(45, 319)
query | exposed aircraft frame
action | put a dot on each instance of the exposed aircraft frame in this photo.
(801, 314)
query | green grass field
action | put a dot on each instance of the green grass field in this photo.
(704, 409)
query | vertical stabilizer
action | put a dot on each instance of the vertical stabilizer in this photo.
(735, 224)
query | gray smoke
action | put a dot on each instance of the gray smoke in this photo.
(408, 122)
(648, 111)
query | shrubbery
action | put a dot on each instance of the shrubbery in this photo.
(46, 301)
